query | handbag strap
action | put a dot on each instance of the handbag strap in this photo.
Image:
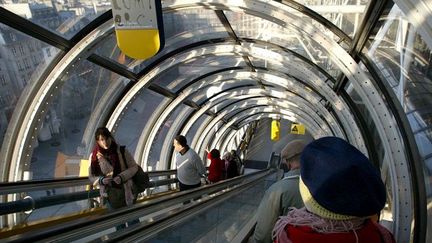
(122, 151)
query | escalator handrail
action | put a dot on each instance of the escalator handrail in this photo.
(81, 226)
(148, 231)
(31, 203)
(37, 185)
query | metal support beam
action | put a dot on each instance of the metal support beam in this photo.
(26, 26)
(113, 66)
(318, 17)
(370, 19)
(413, 155)
(160, 90)
(225, 22)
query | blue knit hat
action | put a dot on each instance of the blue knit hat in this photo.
(338, 182)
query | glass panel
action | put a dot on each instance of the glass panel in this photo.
(220, 223)
(210, 137)
(239, 107)
(59, 149)
(136, 118)
(247, 26)
(200, 122)
(22, 61)
(345, 14)
(64, 18)
(47, 213)
(176, 77)
(231, 98)
(274, 65)
(50, 210)
(403, 59)
(181, 28)
(209, 91)
(176, 116)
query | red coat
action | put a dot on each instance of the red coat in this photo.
(216, 169)
(370, 233)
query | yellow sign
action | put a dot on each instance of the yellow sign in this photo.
(139, 27)
(275, 130)
(84, 167)
(297, 129)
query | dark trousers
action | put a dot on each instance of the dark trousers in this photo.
(184, 187)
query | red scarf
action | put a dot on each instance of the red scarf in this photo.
(369, 233)
(110, 154)
(301, 226)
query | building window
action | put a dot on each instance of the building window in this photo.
(12, 36)
(2, 101)
(2, 80)
(26, 63)
(35, 62)
(20, 68)
(21, 49)
(8, 97)
(14, 52)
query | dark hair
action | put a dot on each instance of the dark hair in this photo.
(104, 132)
(181, 140)
(215, 153)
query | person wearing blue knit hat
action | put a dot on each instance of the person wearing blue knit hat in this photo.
(341, 190)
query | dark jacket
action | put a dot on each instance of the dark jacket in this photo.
(232, 170)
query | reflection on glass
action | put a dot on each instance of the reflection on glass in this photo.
(22, 60)
(136, 118)
(273, 64)
(60, 147)
(209, 137)
(207, 92)
(47, 213)
(197, 127)
(403, 59)
(160, 139)
(248, 26)
(62, 17)
(345, 14)
(178, 76)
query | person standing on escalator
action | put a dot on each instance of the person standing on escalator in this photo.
(217, 166)
(112, 169)
(190, 168)
(282, 195)
(342, 192)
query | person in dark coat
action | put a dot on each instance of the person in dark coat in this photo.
(232, 169)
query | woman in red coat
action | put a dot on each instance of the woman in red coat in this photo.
(216, 166)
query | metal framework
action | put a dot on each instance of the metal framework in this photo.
(397, 152)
